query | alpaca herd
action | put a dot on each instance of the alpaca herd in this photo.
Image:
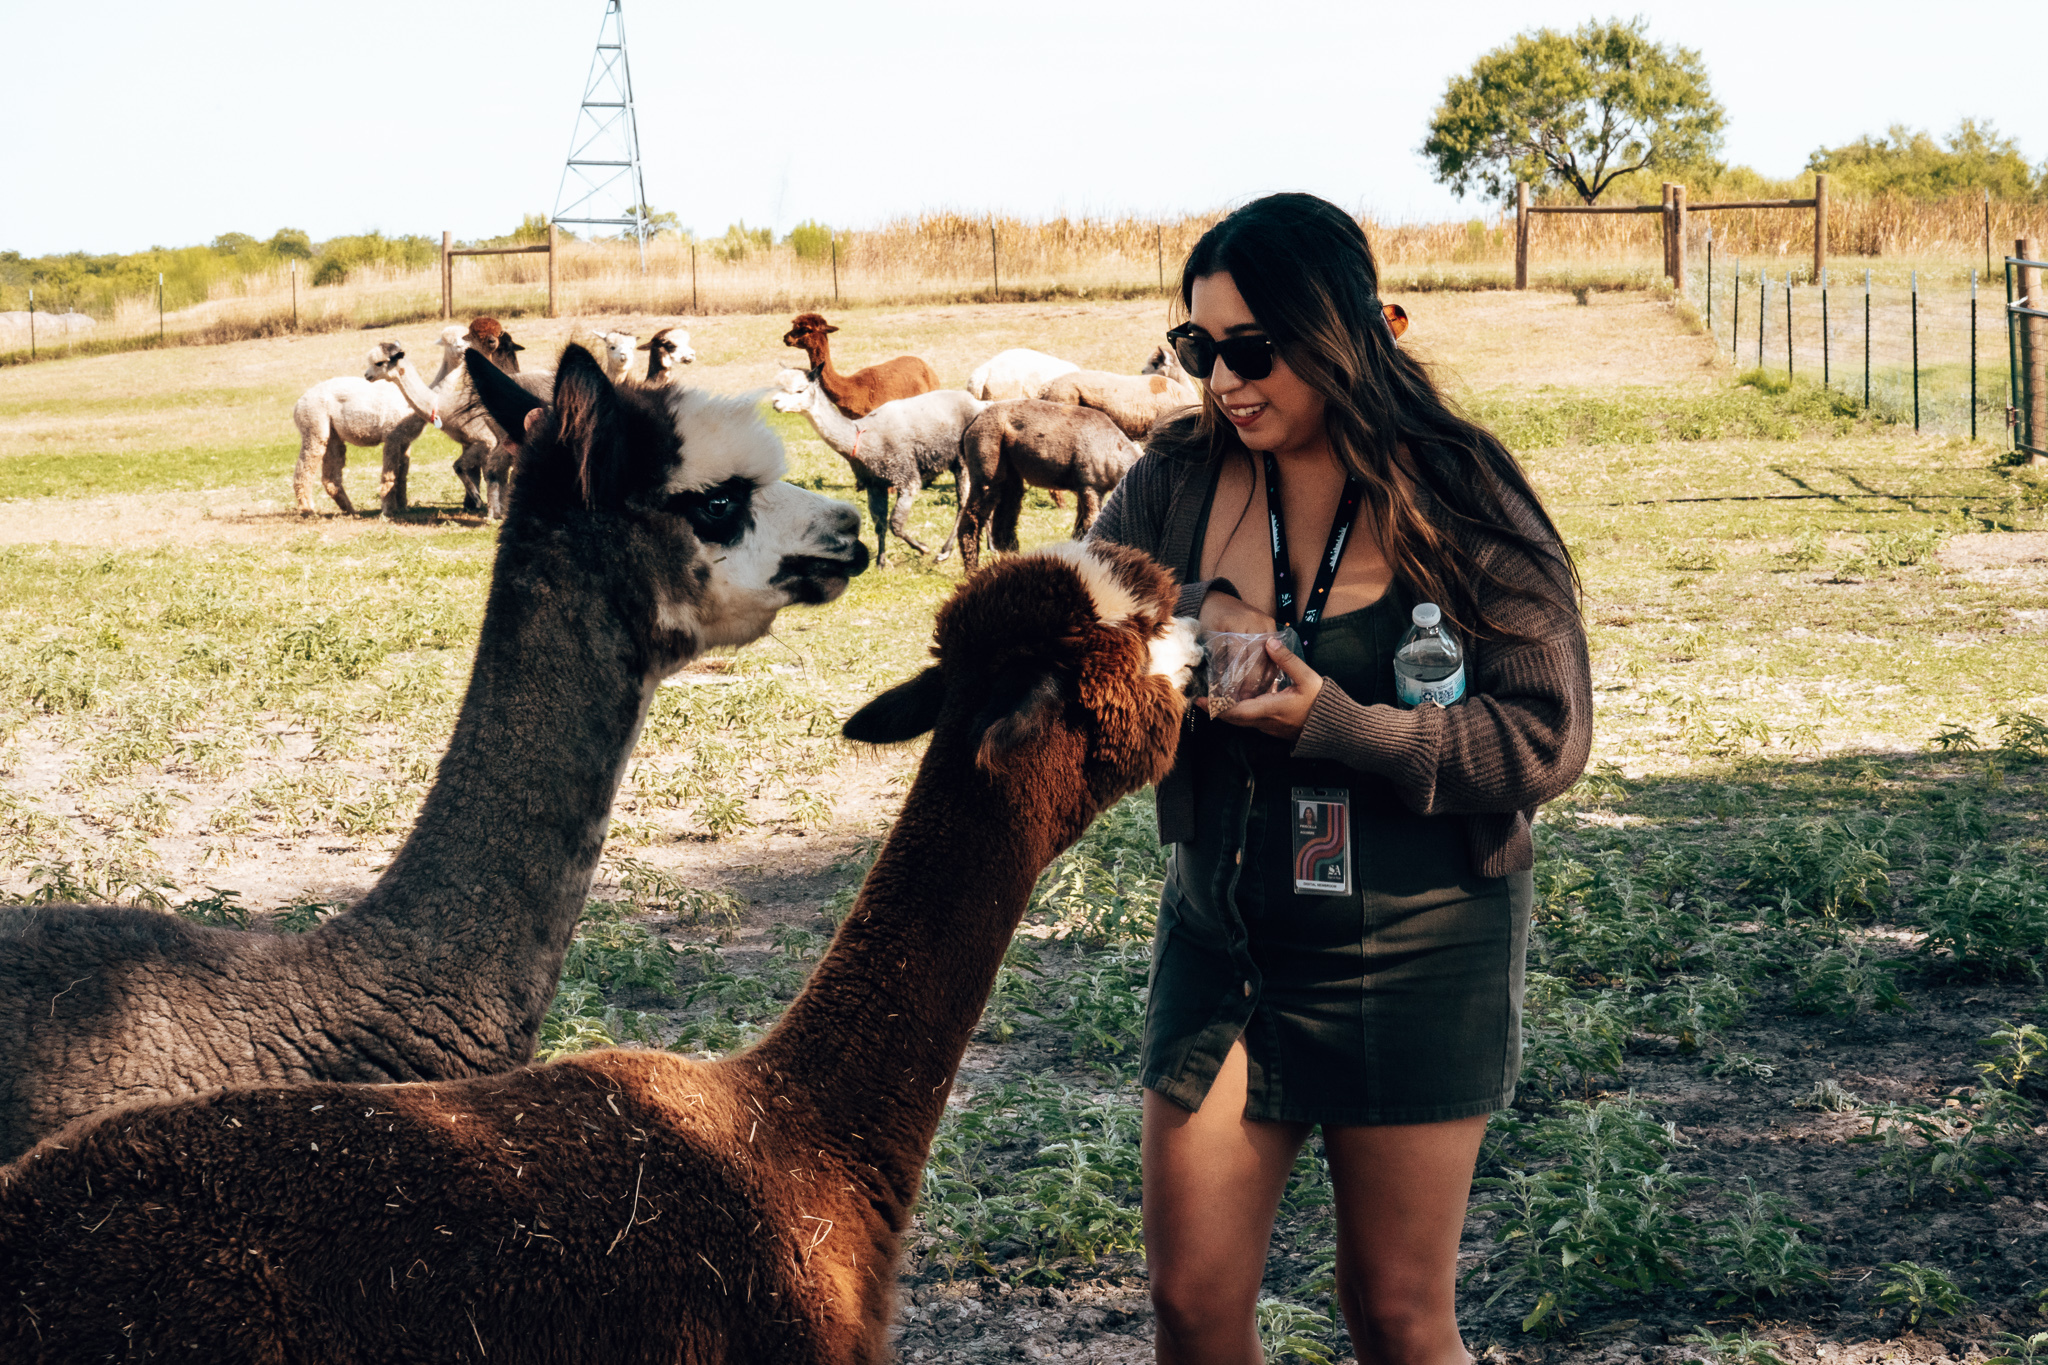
(1024, 419)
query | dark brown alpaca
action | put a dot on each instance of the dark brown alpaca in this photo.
(488, 335)
(1047, 445)
(635, 1206)
(861, 392)
(644, 527)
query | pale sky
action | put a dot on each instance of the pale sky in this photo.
(132, 124)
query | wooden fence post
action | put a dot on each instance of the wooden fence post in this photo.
(447, 279)
(1521, 235)
(551, 270)
(1678, 224)
(1820, 224)
(2033, 395)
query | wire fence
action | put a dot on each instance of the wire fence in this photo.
(1901, 345)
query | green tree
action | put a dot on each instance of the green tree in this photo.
(291, 242)
(1911, 163)
(812, 240)
(657, 221)
(1577, 109)
(233, 243)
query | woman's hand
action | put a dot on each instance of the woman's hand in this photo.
(1279, 714)
(1222, 612)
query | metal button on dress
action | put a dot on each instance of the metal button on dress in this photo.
(1247, 988)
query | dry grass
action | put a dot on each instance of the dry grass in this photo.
(947, 258)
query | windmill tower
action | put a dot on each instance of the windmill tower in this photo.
(601, 184)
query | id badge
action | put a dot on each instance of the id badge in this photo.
(1322, 841)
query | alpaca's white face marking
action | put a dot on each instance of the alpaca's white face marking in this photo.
(389, 362)
(619, 349)
(796, 545)
(793, 383)
(1114, 604)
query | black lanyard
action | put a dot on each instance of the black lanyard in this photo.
(1283, 567)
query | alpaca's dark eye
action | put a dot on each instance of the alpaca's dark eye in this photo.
(720, 515)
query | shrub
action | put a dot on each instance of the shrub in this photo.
(1988, 924)
(1920, 1289)
(1757, 1251)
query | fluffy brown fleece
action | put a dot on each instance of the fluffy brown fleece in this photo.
(861, 392)
(635, 1206)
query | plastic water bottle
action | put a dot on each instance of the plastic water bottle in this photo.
(1427, 663)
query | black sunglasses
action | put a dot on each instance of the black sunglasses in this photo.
(1249, 357)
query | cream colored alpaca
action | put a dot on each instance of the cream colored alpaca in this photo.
(338, 413)
(614, 351)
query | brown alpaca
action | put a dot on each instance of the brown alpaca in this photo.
(861, 392)
(1047, 445)
(633, 1206)
(488, 335)
(645, 527)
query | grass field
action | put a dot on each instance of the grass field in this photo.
(1784, 1076)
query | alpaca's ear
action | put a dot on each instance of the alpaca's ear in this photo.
(830, 328)
(588, 420)
(905, 711)
(504, 400)
(1016, 717)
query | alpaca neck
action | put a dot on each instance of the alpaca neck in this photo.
(867, 1051)
(476, 910)
(834, 427)
(451, 361)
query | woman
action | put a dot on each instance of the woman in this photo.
(1326, 484)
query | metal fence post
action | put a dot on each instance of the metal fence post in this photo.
(1824, 372)
(551, 270)
(995, 267)
(1763, 278)
(447, 278)
(31, 324)
(295, 293)
(1788, 324)
(693, 278)
(1973, 352)
(835, 270)
(1159, 240)
(1710, 281)
(1866, 341)
(160, 303)
(1735, 327)
(1916, 350)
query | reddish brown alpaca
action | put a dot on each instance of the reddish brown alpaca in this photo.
(861, 392)
(631, 1206)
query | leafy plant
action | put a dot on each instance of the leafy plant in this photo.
(2019, 1350)
(2023, 735)
(1827, 1095)
(1757, 1250)
(1293, 1331)
(1920, 1290)
(219, 908)
(1846, 980)
(303, 915)
(610, 954)
(1987, 923)
(1603, 1220)
(652, 887)
(1735, 1348)
(570, 1026)
(1918, 1144)
(1808, 549)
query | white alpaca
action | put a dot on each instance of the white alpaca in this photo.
(1017, 373)
(894, 450)
(616, 354)
(338, 413)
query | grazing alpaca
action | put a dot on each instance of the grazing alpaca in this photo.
(644, 528)
(894, 450)
(756, 1204)
(1133, 402)
(338, 413)
(1016, 373)
(1049, 445)
(861, 392)
(667, 349)
(489, 336)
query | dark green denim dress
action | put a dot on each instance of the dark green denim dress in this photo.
(1398, 1003)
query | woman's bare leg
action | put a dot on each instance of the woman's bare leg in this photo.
(1213, 1181)
(1401, 1192)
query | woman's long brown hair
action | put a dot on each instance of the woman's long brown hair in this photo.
(1307, 273)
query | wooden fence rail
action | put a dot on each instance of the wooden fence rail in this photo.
(449, 252)
(1675, 211)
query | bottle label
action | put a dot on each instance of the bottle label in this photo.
(1444, 691)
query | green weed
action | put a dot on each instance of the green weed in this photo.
(1294, 1331)
(221, 909)
(1734, 1348)
(1756, 1250)
(1920, 1290)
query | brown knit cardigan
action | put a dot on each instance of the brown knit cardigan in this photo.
(1518, 739)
